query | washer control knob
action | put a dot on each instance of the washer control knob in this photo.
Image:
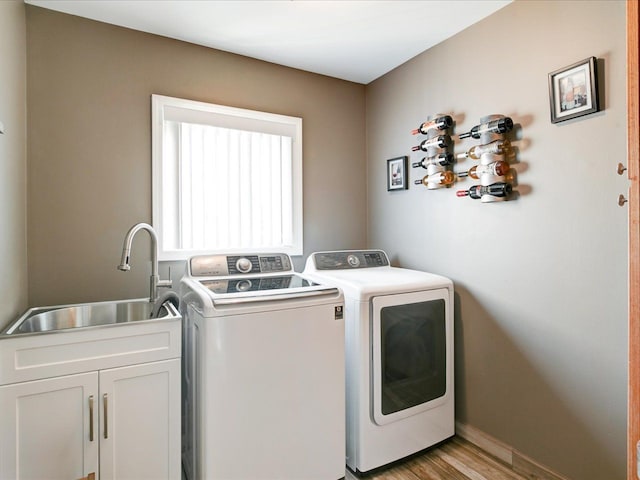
(244, 265)
(353, 261)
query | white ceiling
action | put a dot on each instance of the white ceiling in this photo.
(356, 40)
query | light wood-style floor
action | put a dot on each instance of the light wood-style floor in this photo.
(455, 459)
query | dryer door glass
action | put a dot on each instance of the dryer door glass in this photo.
(412, 353)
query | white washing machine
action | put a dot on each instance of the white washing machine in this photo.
(399, 355)
(264, 382)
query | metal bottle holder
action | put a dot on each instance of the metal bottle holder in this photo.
(489, 158)
(431, 152)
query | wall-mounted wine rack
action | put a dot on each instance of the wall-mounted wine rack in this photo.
(493, 152)
(438, 160)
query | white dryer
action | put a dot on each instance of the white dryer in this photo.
(263, 371)
(399, 355)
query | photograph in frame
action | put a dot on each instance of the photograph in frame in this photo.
(573, 91)
(397, 173)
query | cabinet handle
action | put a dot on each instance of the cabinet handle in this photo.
(91, 418)
(104, 400)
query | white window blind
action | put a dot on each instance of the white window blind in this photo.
(221, 184)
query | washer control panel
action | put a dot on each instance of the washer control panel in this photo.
(346, 260)
(224, 265)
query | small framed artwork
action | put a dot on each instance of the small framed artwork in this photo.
(397, 173)
(573, 91)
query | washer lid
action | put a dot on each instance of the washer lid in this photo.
(256, 283)
(216, 297)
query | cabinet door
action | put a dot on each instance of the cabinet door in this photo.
(140, 422)
(45, 428)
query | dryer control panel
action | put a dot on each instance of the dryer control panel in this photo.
(225, 265)
(349, 259)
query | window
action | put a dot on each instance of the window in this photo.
(225, 179)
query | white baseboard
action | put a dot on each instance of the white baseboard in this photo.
(517, 460)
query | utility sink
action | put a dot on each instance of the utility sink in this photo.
(47, 319)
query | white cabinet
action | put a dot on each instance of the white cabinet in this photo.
(116, 420)
(53, 429)
(140, 422)
(44, 429)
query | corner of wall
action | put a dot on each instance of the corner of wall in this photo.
(13, 159)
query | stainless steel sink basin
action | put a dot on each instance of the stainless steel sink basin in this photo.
(46, 319)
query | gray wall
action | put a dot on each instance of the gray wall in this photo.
(541, 281)
(89, 88)
(13, 160)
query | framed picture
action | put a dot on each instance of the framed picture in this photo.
(573, 91)
(397, 173)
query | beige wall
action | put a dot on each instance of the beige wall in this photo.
(541, 286)
(13, 160)
(90, 147)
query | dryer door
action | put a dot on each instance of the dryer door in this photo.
(411, 352)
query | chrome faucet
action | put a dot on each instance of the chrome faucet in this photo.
(154, 281)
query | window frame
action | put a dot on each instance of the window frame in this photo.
(159, 106)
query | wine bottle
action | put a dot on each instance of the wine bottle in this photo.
(501, 125)
(443, 159)
(440, 178)
(497, 147)
(498, 189)
(440, 123)
(498, 168)
(441, 141)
